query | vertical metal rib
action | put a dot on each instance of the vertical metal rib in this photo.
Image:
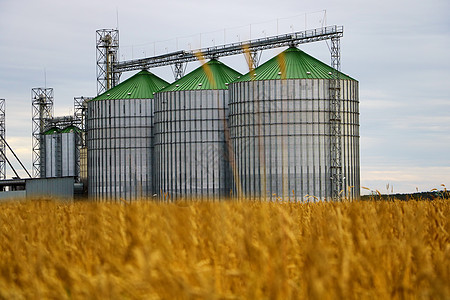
(190, 146)
(297, 112)
(119, 140)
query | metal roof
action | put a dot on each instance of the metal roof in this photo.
(142, 85)
(292, 63)
(52, 130)
(70, 128)
(212, 75)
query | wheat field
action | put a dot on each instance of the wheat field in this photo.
(225, 250)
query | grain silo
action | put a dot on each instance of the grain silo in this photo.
(280, 128)
(51, 156)
(119, 139)
(69, 153)
(190, 124)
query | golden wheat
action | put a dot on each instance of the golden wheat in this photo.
(224, 250)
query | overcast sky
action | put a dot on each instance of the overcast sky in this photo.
(397, 50)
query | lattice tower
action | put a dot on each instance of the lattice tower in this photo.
(42, 106)
(335, 121)
(2, 140)
(107, 57)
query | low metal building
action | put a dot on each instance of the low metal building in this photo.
(61, 188)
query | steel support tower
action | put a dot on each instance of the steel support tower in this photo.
(253, 59)
(107, 57)
(42, 106)
(80, 110)
(178, 70)
(335, 121)
(2, 140)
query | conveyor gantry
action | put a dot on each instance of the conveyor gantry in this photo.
(183, 56)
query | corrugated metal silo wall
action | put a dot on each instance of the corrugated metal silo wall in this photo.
(190, 148)
(69, 157)
(51, 156)
(119, 142)
(280, 133)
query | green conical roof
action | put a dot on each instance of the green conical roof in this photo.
(52, 130)
(70, 128)
(142, 85)
(213, 75)
(297, 65)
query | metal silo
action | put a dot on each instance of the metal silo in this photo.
(119, 139)
(280, 129)
(69, 156)
(190, 144)
(51, 145)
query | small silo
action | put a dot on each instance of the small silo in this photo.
(190, 133)
(119, 139)
(280, 128)
(69, 153)
(51, 156)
